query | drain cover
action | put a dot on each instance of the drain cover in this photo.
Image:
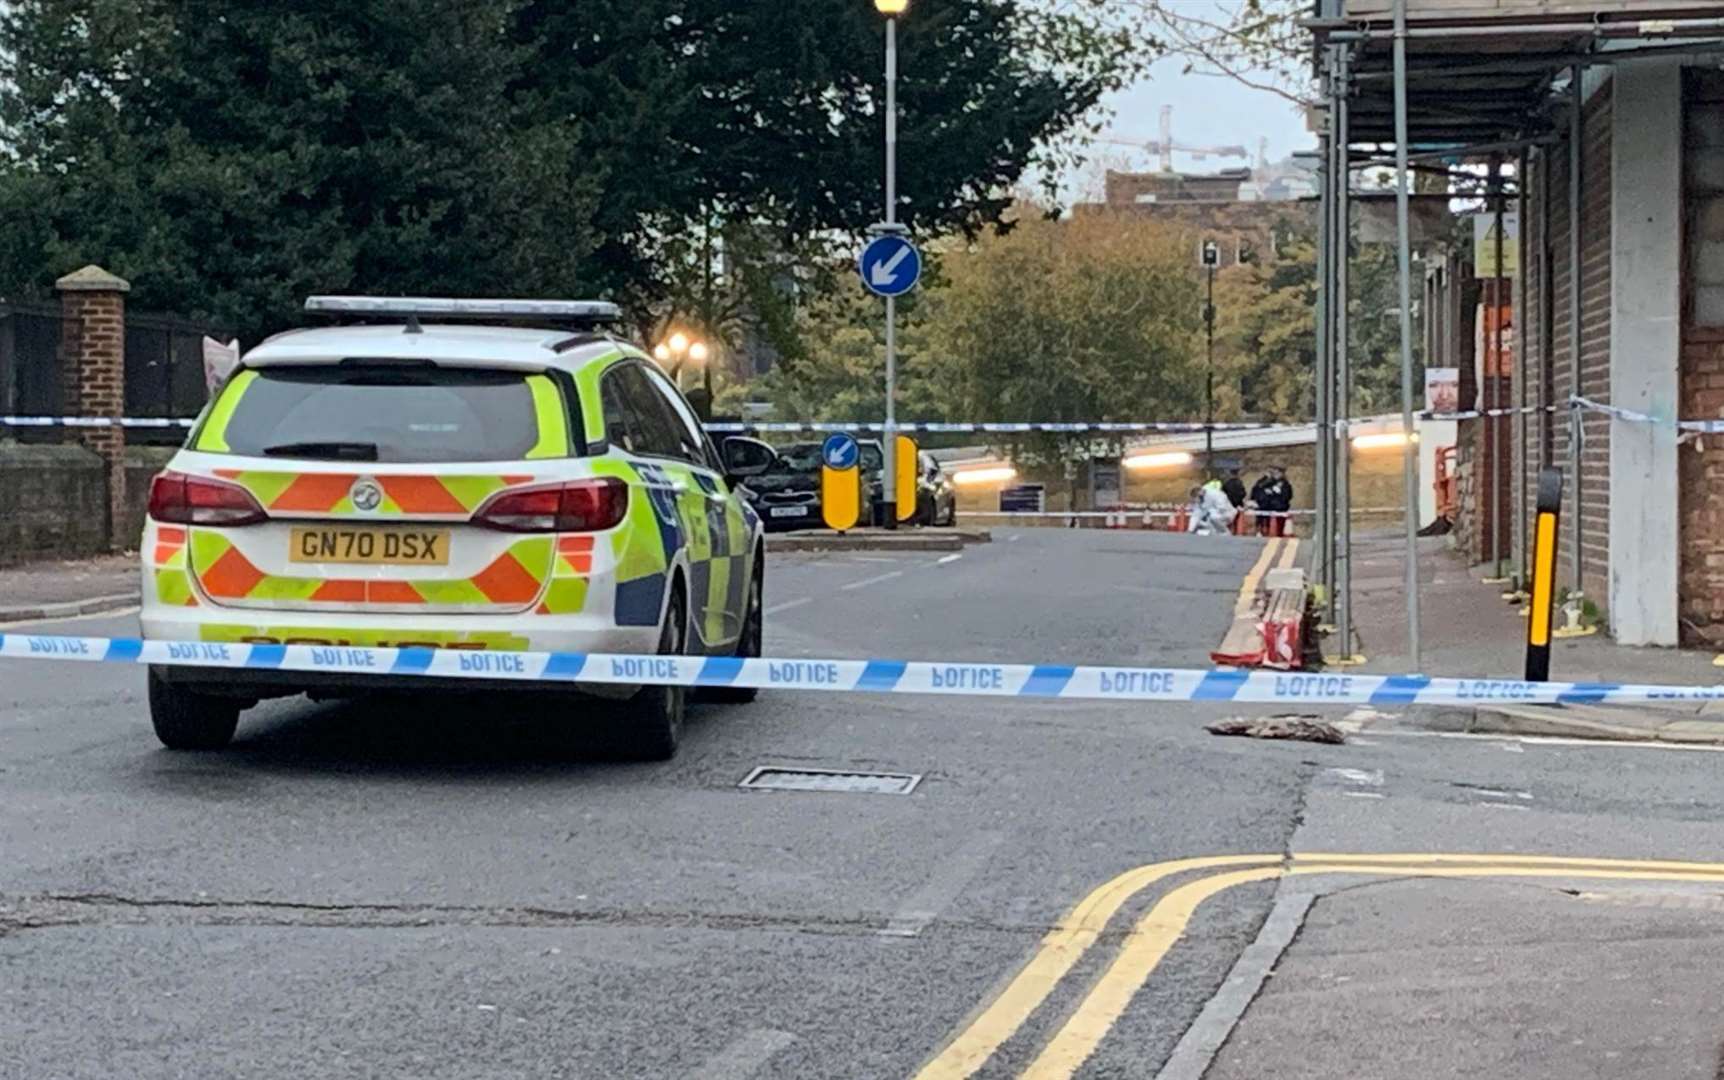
(774, 778)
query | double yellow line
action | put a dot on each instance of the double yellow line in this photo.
(1157, 931)
(1288, 549)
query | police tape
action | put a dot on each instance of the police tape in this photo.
(1058, 681)
(1000, 427)
(1616, 412)
(1139, 512)
(762, 427)
(1574, 403)
(95, 421)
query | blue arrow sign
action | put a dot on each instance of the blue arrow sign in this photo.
(840, 451)
(890, 266)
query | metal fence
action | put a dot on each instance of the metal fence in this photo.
(30, 364)
(164, 368)
(164, 372)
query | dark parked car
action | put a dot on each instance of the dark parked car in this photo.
(936, 501)
(936, 498)
(787, 494)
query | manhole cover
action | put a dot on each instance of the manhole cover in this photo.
(774, 778)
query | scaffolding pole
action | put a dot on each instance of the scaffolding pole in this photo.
(1576, 133)
(1321, 562)
(1522, 323)
(1343, 369)
(1494, 377)
(1404, 262)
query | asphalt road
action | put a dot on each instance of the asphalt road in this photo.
(439, 888)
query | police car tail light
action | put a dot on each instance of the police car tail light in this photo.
(177, 499)
(577, 506)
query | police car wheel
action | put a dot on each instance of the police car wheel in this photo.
(649, 725)
(185, 720)
(748, 645)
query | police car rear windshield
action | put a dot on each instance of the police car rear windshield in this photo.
(390, 413)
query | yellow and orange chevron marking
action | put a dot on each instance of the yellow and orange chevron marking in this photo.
(326, 493)
(567, 594)
(169, 562)
(514, 579)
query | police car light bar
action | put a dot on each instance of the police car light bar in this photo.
(429, 307)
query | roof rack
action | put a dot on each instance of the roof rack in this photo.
(577, 314)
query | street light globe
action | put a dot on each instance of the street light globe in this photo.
(698, 352)
(891, 7)
(679, 342)
(661, 352)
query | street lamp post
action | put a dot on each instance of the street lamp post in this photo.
(678, 349)
(1211, 257)
(889, 474)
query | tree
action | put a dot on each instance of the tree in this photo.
(230, 156)
(1095, 318)
(1266, 339)
(836, 371)
(1259, 43)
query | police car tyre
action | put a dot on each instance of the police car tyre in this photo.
(648, 726)
(187, 720)
(748, 645)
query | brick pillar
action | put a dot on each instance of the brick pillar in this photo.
(93, 375)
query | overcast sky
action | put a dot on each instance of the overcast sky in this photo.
(1208, 110)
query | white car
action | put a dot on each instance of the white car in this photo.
(452, 485)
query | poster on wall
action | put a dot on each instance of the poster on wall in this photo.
(1443, 389)
(1485, 245)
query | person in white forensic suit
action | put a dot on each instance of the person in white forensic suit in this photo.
(1212, 512)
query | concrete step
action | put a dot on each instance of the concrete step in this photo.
(878, 540)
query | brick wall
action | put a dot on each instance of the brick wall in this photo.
(1700, 462)
(1701, 567)
(93, 374)
(1550, 360)
(1595, 347)
(54, 501)
(1227, 222)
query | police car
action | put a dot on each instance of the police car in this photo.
(439, 477)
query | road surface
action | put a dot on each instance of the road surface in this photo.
(440, 888)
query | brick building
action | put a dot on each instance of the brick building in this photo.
(1225, 206)
(1612, 114)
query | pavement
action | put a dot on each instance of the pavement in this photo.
(58, 590)
(1468, 629)
(451, 887)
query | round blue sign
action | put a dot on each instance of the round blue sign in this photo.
(840, 451)
(890, 266)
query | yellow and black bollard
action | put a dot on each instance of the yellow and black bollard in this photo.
(1543, 575)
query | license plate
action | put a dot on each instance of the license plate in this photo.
(412, 547)
(790, 511)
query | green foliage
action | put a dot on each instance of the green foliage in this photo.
(838, 371)
(1094, 318)
(230, 156)
(1266, 342)
(1090, 319)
